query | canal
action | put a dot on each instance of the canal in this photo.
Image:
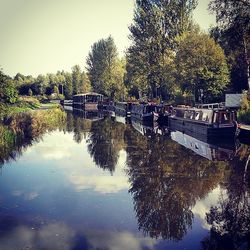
(107, 183)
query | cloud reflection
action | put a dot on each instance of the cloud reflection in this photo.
(102, 184)
(119, 240)
(59, 236)
(203, 206)
(27, 196)
(55, 236)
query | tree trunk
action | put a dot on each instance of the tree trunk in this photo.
(247, 62)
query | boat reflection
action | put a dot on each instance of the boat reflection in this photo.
(90, 115)
(148, 130)
(123, 119)
(210, 151)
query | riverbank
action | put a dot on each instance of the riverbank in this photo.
(19, 130)
(24, 104)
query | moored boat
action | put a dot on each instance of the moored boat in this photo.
(88, 101)
(146, 113)
(211, 123)
(123, 108)
(164, 111)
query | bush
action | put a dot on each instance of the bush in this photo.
(244, 113)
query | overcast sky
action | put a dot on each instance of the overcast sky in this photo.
(43, 36)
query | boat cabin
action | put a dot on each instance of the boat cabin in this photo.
(87, 101)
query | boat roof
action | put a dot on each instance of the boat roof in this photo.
(201, 109)
(89, 93)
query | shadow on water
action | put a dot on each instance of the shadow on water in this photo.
(168, 174)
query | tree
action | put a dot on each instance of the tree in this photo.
(68, 87)
(104, 69)
(233, 21)
(85, 83)
(202, 68)
(56, 90)
(153, 34)
(8, 91)
(41, 84)
(76, 79)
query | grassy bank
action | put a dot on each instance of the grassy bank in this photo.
(20, 130)
(22, 105)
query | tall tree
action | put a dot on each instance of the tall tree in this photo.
(85, 83)
(153, 34)
(104, 68)
(233, 21)
(76, 79)
(68, 87)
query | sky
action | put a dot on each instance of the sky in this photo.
(39, 37)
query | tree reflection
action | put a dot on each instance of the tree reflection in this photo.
(78, 125)
(105, 143)
(230, 219)
(166, 181)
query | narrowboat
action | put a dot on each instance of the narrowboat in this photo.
(66, 102)
(211, 123)
(88, 101)
(145, 113)
(164, 111)
(123, 108)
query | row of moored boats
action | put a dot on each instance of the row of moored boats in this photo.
(213, 122)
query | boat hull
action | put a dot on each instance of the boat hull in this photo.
(204, 129)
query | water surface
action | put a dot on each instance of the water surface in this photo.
(106, 183)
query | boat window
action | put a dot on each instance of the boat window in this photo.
(205, 117)
(225, 117)
(215, 118)
(197, 115)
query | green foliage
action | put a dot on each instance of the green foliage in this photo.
(201, 67)
(68, 86)
(86, 85)
(76, 79)
(244, 112)
(8, 91)
(19, 130)
(233, 33)
(153, 36)
(105, 70)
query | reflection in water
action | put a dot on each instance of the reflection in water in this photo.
(54, 236)
(166, 180)
(230, 218)
(210, 151)
(105, 143)
(83, 207)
